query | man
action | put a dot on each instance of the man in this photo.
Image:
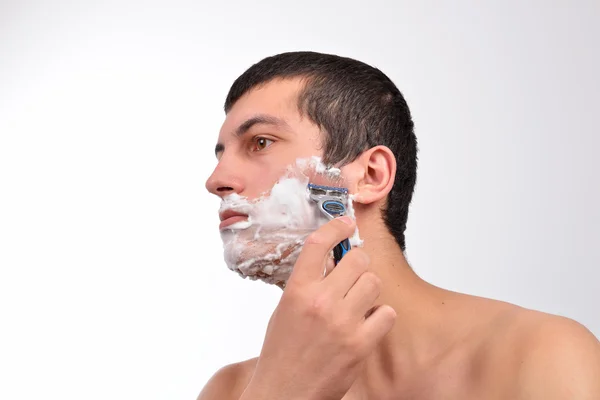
(370, 328)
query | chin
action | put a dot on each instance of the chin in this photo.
(269, 262)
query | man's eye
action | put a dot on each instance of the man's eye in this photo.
(261, 143)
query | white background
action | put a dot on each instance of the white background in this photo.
(112, 284)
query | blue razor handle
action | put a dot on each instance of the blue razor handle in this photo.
(340, 250)
(337, 209)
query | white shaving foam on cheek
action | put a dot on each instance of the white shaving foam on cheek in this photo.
(266, 245)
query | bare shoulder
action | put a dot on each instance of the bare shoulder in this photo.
(542, 335)
(529, 355)
(558, 358)
(229, 382)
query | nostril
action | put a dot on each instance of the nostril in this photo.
(225, 189)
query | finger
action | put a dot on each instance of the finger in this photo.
(311, 262)
(362, 296)
(329, 265)
(347, 272)
(377, 325)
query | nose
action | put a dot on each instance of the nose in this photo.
(224, 180)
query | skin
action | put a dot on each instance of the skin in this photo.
(371, 328)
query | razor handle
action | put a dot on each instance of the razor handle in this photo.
(340, 250)
(335, 208)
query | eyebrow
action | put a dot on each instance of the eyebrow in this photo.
(261, 119)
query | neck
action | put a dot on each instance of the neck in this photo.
(418, 336)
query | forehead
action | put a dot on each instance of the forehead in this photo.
(277, 98)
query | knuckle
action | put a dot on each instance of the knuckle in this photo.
(360, 260)
(371, 280)
(370, 283)
(361, 256)
(318, 307)
(315, 238)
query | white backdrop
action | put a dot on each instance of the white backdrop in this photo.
(112, 284)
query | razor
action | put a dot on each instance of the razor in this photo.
(332, 203)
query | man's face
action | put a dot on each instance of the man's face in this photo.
(262, 137)
(262, 134)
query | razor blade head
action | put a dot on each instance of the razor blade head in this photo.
(332, 191)
(331, 200)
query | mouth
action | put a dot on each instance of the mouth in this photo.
(230, 217)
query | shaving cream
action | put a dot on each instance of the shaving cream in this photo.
(267, 245)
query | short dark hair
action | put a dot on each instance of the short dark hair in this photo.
(357, 106)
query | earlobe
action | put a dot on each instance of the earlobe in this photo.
(378, 173)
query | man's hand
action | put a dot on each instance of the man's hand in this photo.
(323, 327)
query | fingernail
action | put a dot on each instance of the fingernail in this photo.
(346, 219)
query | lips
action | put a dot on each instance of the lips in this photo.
(230, 217)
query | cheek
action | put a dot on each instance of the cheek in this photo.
(261, 181)
(265, 172)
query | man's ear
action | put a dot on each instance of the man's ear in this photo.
(375, 172)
